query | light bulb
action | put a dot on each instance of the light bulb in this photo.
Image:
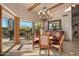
(43, 12)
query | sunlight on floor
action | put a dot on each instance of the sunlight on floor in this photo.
(70, 48)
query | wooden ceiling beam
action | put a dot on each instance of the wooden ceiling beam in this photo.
(8, 10)
(33, 6)
(57, 5)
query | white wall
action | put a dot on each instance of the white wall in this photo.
(67, 25)
(66, 22)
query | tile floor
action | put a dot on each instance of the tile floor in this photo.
(71, 48)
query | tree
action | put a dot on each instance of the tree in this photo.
(38, 26)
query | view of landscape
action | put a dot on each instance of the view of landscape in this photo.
(26, 30)
(8, 33)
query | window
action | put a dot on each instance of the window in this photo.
(54, 25)
(26, 30)
(7, 33)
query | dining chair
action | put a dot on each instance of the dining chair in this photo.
(48, 33)
(44, 43)
(58, 45)
(35, 40)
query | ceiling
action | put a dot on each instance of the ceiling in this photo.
(22, 9)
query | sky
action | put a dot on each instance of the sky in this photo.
(4, 22)
(22, 23)
(25, 23)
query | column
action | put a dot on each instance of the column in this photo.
(17, 30)
(0, 29)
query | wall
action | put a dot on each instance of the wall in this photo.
(67, 25)
(66, 22)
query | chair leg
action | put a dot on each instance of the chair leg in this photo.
(45, 52)
(40, 52)
(48, 52)
(60, 52)
(33, 46)
(62, 49)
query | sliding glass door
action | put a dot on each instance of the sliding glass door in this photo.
(26, 32)
(7, 33)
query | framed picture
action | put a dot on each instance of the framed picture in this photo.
(54, 25)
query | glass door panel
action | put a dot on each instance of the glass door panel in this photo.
(26, 31)
(7, 33)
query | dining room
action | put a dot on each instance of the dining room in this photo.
(37, 29)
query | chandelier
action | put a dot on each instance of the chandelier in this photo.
(44, 14)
